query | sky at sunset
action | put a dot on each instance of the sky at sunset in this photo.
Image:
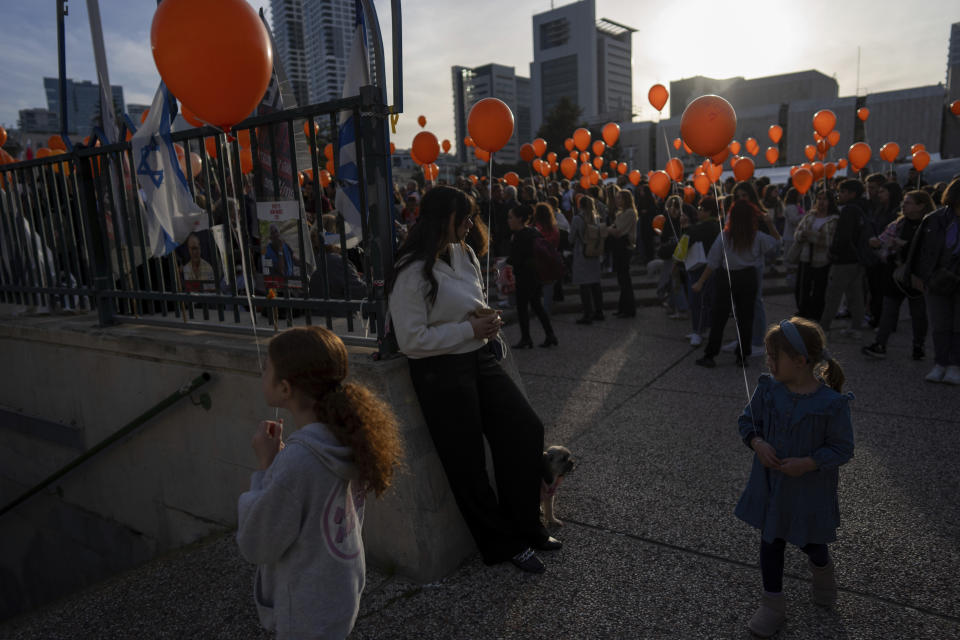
(902, 44)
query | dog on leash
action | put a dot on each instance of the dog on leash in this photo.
(556, 463)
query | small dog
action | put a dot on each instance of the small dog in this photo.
(556, 463)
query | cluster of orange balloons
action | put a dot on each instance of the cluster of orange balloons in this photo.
(586, 156)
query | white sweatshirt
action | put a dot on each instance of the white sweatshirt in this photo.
(425, 330)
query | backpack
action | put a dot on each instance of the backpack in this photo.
(546, 260)
(593, 238)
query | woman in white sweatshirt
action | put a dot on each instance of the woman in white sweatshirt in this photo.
(443, 326)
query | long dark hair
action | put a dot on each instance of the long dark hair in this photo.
(742, 224)
(429, 234)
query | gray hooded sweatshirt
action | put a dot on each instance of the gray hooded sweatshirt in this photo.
(300, 522)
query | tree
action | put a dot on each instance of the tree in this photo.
(560, 124)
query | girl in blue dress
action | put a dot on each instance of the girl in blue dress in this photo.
(798, 424)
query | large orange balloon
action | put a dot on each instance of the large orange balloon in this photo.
(775, 132)
(568, 167)
(921, 159)
(674, 169)
(581, 138)
(634, 177)
(585, 182)
(243, 138)
(221, 73)
(863, 113)
(701, 183)
(445, 145)
(743, 169)
(810, 151)
(802, 180)
(658, 221)
(890, 151)
(598, 147)
(824, 121)
(708, 125)
(658, 96)
(772, 155)
(422, 121)
(539, 147)
(611, 133)
(426, 147)
(490, 124)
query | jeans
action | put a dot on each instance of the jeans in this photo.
(771, 561)
(844, 279)
(591, 299)
(891, 312)
(531, 293)
(463, 398)
(945, 326)
(743, 292)
(811, 290)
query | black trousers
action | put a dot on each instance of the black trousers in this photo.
(626, 305)
(591, 299)
(467, 396)
(876, 283)
(891, 313)
(811, 290)
(531, 293)
(744, 290)
(771, 561)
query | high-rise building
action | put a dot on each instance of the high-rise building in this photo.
(491, 81)
(287, 19)
(38, 121)
(755, 92)
(583, 59)
(83, 102)
(953, 63)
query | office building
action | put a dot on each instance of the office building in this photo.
(38, 121)
(287, 19)
(470, 85)
(755, 92)
(83, 102)
(586, 60)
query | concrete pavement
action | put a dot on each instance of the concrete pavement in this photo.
(652, 549)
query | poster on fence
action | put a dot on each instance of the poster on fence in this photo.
(283, 266)
(197, 271)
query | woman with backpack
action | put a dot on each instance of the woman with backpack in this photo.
(529, 288)
(588, 236)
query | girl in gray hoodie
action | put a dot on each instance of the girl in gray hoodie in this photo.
(300, 522)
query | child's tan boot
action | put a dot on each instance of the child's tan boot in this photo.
(770, 616)
(824, 587)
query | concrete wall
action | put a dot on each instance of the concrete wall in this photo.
(178, 478)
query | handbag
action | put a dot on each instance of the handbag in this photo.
(696, 257)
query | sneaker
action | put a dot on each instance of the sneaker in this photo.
(953, 375)
(918, 353)
(706, 361)
(695, 339)
(876, 350)
(729, 347)
(528, 561)
(936, 374)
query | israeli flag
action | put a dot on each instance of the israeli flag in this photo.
(347, 200)
(170, 213)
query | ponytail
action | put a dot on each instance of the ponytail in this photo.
(362, 421)
(832, 373)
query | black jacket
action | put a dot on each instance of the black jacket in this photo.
(521, 256)
(933, 251)
(845, 240)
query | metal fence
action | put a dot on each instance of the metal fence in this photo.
(73, 233)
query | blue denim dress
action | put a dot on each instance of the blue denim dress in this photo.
(799, 510)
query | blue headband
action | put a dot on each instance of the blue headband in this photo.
(793, 337)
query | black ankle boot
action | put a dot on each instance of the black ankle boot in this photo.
(551, 341)
(525, 343)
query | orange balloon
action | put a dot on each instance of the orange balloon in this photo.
(189, 116)
(474, 179)
(634, 177)
(657, 96)
(611, 133)
(686, 148)
(598, 147)
(917, 146)
(829, 169)
(775, 132)
(658, 221)
(539, 147)
(955, 107)
(490, 124)
(676, 143)
(585, 182)
(332, 170)
(702, 184)
(552, 157)
(613, 164)
(720, 157)
(714, 171)
(753, 147)
(536, 164)
(43, 152)
(743, 169)
(810, 151)
(445, 145)
(823, 146)
(793, 170)
(243, 138)
(512, 178)
(246, 161)
(863, 113)
(734, 147)
(210, 144)
(708, 125)
(431, 171)
(575, 154)
(921, 159)
(890, 151)
(468, 141)
(842, 163)
(802, 180)
(689, 194)
(594, 178)
(426, 147)
(482, 154)
(527, 154)
(393, 148)
(220, 73)
(674, 169)
(3, 136)
(324, 176)
(56, 142)
(833, 138)
(581, 139)
(598, 162)
(584, 156)
(772, 155)
(586, 169)
(568, 167)
(824, 121)
(622, 168)
(568, 144)
(422, 121)
(545, 168)
(818, 170)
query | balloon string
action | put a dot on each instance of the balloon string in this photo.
(669, 158)
(486, 292)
